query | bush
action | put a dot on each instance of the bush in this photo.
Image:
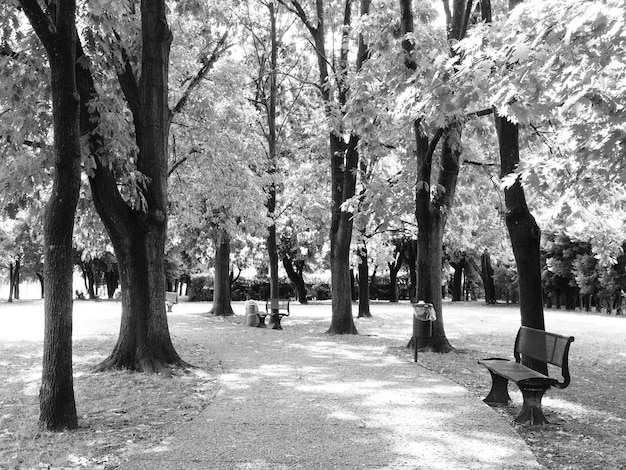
(200, 289)
(505, 280)
(320, 291)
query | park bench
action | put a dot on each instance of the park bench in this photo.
(278, 308)
(171, 298)
(548, 348)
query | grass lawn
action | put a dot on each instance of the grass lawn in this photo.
(121, 413)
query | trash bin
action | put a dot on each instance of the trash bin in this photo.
(252, 310)
(423, 317)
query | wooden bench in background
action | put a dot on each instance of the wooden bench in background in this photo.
(171, 298)
(548, 348)
(278, 308)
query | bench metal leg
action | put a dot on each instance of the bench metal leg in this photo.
(169, 307)
(499, 393)
(277, 322)
(262, 321)
(531, 409)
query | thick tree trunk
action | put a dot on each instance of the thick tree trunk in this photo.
(138, 237)
(221, 293)
(272, 247)
(343, 176)
(486, 273)
(524, 233)
(343, 164)
(57, 33)
(296, 279)
(364, 285)
(430, 215)
(434, 196)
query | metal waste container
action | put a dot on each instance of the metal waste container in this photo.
(423, 317)
(252, 310)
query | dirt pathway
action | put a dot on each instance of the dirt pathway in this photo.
(299, 399)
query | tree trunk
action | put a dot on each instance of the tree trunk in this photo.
(364, 285)
(410, 256)
(296, 279)
(486, 273)
(434, 192)
(353, 289)
(457, 280)
(16, 279)
(343, 164)
(394, 268)
(221, 293)
(88, 277)
(272, 247)
(57, 33)
(112, 280)
(524, 233)
(138, 237)
(11, 282)
(343, 176)
(41, 283)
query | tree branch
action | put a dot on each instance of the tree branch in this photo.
(471, 162)
(208, 64)
(300, 13)
(480, 113)
(41, 23)
(176, 165)
(128, 84)
(433, 143)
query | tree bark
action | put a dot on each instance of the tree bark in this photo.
(16, 279)
(221, 293)
(138, 237)
(457, 280)
(394, 269)
(11, 282)
(272, 246)
(112, 280)
(486, 273)
(433, 203)
(523, 229)
(41, 283)
(364, 284)
(343, 164)
(296, 279)
(56, 31)
(410, 256)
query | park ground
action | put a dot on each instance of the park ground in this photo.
(122, 413)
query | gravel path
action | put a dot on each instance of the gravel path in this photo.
(300, 399)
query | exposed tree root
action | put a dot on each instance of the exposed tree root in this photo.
(148, 365)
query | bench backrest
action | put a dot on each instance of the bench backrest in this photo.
(545, 347)
(277, 304)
